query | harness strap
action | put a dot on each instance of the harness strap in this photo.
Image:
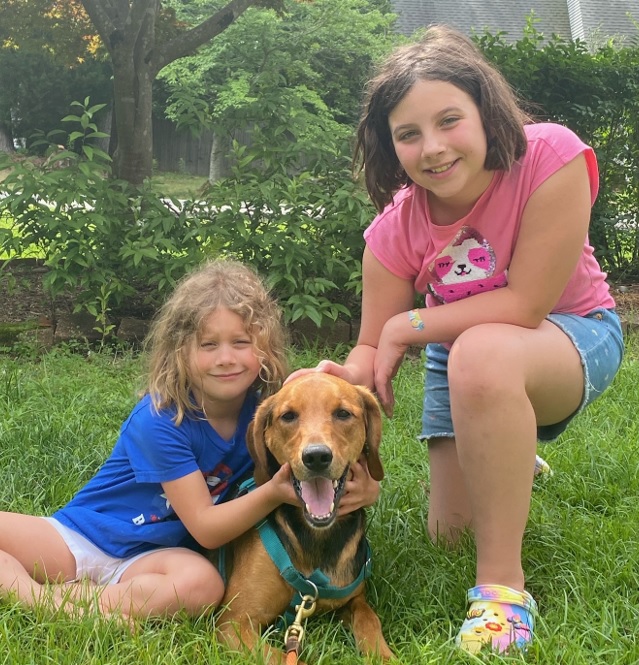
(317, 582)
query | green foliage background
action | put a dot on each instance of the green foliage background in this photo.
(290, 206)
(596, 94)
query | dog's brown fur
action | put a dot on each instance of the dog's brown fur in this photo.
(320, 425)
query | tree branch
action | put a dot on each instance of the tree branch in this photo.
(100, 17)
(108, 17)
(189, 41)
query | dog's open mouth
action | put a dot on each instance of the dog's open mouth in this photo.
(321, 497)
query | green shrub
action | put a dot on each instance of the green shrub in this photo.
(290, 207)
(596, 94)
(102, 239)
(299, 227)
(105, 240)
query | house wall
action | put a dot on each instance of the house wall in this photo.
(612, 18)
(566, 18)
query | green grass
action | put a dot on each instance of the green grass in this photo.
(178, 185)
(60, 417)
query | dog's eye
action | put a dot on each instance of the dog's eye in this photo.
(289, 416)
(343, 414)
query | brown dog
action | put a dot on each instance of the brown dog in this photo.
(320, 425)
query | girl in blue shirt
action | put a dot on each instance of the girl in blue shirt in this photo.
(215, 348)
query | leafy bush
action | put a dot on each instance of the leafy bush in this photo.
(105, 240)
(290, 207)
(102, 239)
(596, 94)
(301, 228)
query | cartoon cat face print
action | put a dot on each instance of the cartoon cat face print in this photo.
(465, 268)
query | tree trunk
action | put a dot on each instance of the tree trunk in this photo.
(133, 88)
(219, 162)
(127, 28)
(6, 139)
(105, 125)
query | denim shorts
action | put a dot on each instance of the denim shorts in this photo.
(598, 339)
(91, 562)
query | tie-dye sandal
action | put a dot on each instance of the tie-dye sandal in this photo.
(542, 468)
(498, 618)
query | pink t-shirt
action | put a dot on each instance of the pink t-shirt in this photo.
(448, 263)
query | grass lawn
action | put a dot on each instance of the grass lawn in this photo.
(178, 185)
(61, 414)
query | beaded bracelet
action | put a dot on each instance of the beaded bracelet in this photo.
(415, 319)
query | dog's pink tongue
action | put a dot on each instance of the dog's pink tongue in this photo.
(318, 496)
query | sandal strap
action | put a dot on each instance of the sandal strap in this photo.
(497, 593)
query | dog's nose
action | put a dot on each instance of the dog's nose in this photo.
(317, 457)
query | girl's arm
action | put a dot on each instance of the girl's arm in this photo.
(551, 238)
(383, 295)
(214, 525)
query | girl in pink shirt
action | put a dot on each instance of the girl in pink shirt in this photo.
(487, 216)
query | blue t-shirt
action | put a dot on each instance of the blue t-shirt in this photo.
(123, 509)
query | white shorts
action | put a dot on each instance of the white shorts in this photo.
(91, 562)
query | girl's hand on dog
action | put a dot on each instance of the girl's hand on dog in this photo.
(326, 366)
(283, 486)
(361, 490)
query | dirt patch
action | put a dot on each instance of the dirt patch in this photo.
(627, 298)
(23, 297)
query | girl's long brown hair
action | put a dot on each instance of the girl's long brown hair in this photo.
(442, 55)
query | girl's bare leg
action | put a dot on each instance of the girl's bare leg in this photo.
(164, 583)
(36, 566)
(31, 553)
(504, 380)
(449, 511)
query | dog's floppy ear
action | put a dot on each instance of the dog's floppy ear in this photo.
(256, 443)
(373, 419)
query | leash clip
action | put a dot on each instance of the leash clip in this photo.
(295, 632)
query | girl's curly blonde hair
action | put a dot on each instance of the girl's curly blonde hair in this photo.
(179, 323)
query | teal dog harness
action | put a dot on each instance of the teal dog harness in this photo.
(316, 584)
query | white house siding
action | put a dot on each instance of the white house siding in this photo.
(567, 18)
(610, 17)
(465, 15)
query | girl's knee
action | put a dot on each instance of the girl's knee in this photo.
(200, 589)
(480, 363)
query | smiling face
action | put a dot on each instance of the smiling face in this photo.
(440, 142)
(222, 362)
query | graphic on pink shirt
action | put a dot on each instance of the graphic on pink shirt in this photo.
(466, 267)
